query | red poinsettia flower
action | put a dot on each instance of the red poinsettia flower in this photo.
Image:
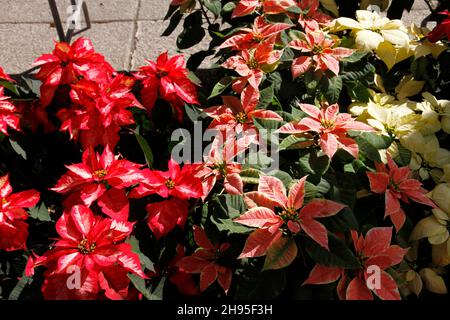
(93, 248)
(182, 280)
(68, 64)
(272, 211)
(249, 38)
(442, 30)
(246, 7)
(219, 164)
(234, 117)
(310, 17)
(176, 182)
(397, 184)
(205, 262)
(102, 178)
(375, 252)
(331, 127)
(322, 54)
(13, 229)
(168, 77)
(101, 110)
(250, 65)
(164, 216)
(8, 114)
(5, 76)
(33, 116)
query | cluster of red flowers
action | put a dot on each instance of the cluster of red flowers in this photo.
(95, 223)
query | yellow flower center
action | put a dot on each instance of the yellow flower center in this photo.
(253, 64)
(241, 117)
(4, 201)
(327, 124)
(221, 167)
(100, 174)
(170, 184)
(84, 247)
(289, 214)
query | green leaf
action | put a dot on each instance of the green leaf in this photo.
(280, 254)
(223, 209)
(369, 143)
(220, 86)
(15, 293)
(266, 123)
(145, 148)
(254, 284)
(139, 284)
(314, 165)
(145, 261)
(355, 57)
(157, 293)
(214, 6)
(40, 213)
(18, 149)
(250, 176)
(193, 31)
(332, 88)
(292, 142)
(228, 7)
(404, 156)
(342, 222)
(10, 86)
(339, 255)
(266, 97)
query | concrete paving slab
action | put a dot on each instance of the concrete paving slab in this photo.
(150, 44)
(113, 40)
(153, 9)
(31, 11)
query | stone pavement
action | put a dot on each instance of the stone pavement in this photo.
(126, 31)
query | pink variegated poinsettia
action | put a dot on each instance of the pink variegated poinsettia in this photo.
(250, 65)
(219, 164)
(310, 17)
(373, 250)
(247, 38)
(397, 184)
(102, 178)
(331, 127)
(236, 117)
(321, 54)
(273, 212)
(246, 7)
(205, 262)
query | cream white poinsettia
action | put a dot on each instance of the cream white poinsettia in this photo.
(430, 164)
(446, 176)
(420, 44)
(372, 32)
(440, 107)
(416, 142)
(397, 120)
(408, 87)
(436, 226)
(433, 281)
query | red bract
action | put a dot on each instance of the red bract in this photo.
(218, 165)
(168, 77)
(234, 117)
(397, 184)
(442, 30)
(246, 7)
(5, 76)
(8, 114)
(249, 38)
(331, 127)
(250, 65)
(102, 178)
(176, 182)
(93, 247)
(311, 17)
(13, 229)
(68, 64)
(322, 54)
(205, 262)
(375, 252)
(102, 109)
(293, 215)
(164, 216)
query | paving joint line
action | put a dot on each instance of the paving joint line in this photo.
(134, 37)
